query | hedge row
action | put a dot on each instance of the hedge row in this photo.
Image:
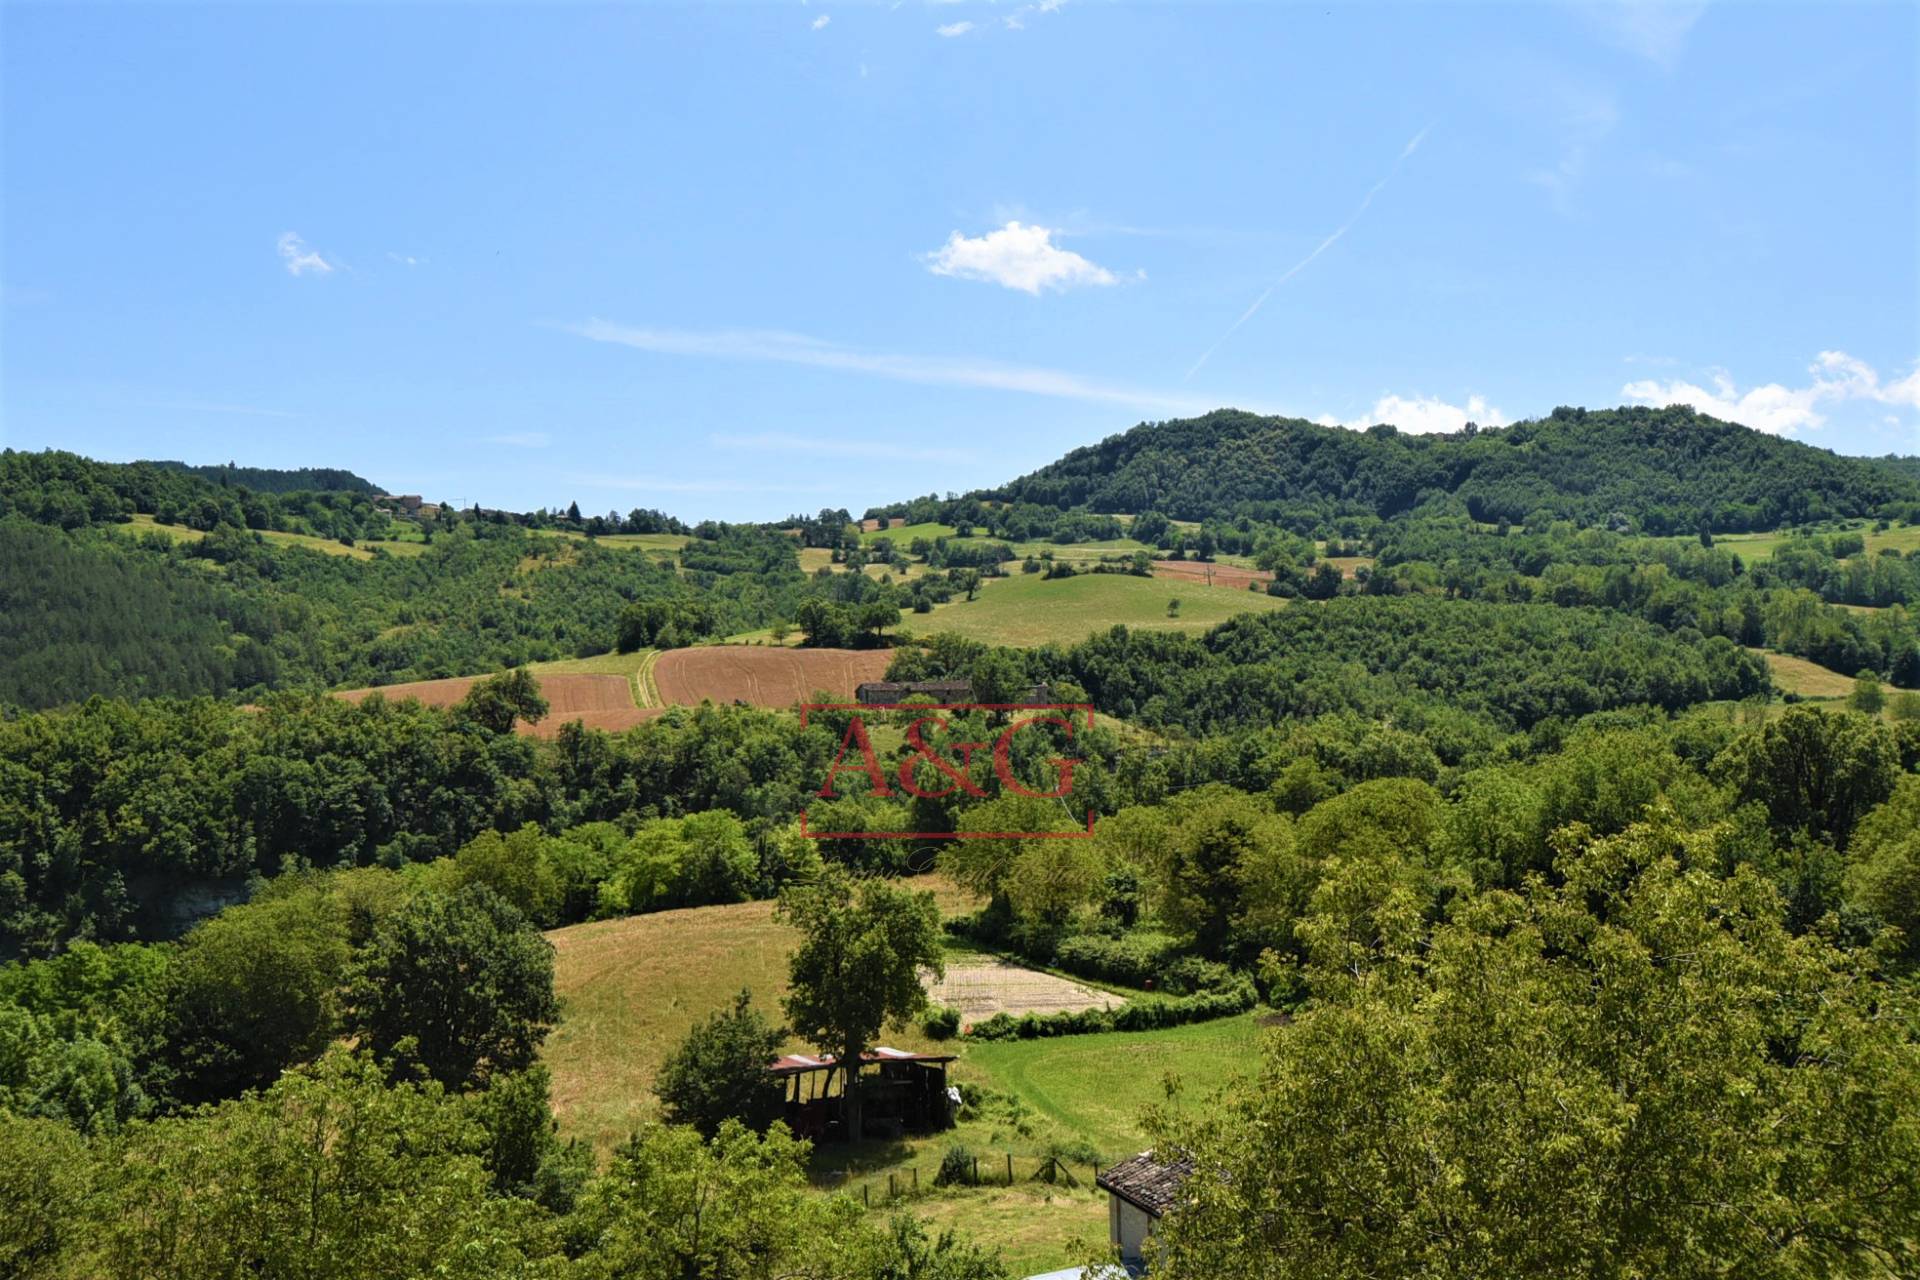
(1140, 960)
(1137, 1015)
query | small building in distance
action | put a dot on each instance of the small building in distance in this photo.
(883, 693)
(1140, 1190)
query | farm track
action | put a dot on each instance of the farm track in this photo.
(646, 693)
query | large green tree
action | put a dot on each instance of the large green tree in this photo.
(1639, 1072)
(863, 946)
(457, 985)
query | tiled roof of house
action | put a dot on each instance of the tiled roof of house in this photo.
(1151, 1184)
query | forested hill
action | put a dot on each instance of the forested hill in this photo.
(1667, 469)
(274, 480)
(1901, 464)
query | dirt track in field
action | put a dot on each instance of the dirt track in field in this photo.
(1230, 576)
(763, 676)
(599, 702)
(980, 989)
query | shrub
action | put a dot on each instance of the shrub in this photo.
(1131, 960)
(942, 1022)
(956, 1166)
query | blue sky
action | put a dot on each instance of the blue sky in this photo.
(750, 259)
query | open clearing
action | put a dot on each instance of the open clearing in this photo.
(326, 546)
(1808, 679)
(763, 676)
(981, 986)
(1027, 609)
(902, 535)
(631, 988)
(1755, 546)
(1228, 576)
(597, 701)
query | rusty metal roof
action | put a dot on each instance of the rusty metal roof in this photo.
(795, 1063)
(1147, 1183)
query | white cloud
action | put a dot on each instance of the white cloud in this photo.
(405, 259)
(835, 447)
(1779, 409)
(1422, 415)
(299, 258)
(945, 371)
(1018, 256)
(953, 29)
(820, 23)
(522, 439)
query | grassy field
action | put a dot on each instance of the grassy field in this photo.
(663, 543)
(1081, 1098)
(1027, 609)
(630, 989)
(1808, 679)
(328, 546)
(1758, 546)
(637, 667)
(906, 533)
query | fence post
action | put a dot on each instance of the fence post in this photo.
(976, 1171)
(1009, 1168)
(916, 1177)
(864, 1200)
(891, 1193)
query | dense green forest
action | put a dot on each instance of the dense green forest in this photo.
(276, 480)
(1581, 950)
(1664, 471)
(101, 612)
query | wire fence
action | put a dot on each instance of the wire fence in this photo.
(879, 1188)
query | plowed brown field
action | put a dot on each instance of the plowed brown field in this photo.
(599, 702)
(762, 676)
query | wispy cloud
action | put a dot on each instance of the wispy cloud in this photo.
(820, 23)
(406, 259)
(522, 439)
(1656, 30)
(299, 259)
(944, 371)
(656, 484)
(1779, 409)
(208, 406)
(835, 447)
(1422, 415)
(1017, 256)
(1413, 145)
(1582, 115)
(952, 29)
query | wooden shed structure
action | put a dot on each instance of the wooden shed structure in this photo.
(901, 1092)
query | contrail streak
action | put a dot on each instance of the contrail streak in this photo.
(1412, 146)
